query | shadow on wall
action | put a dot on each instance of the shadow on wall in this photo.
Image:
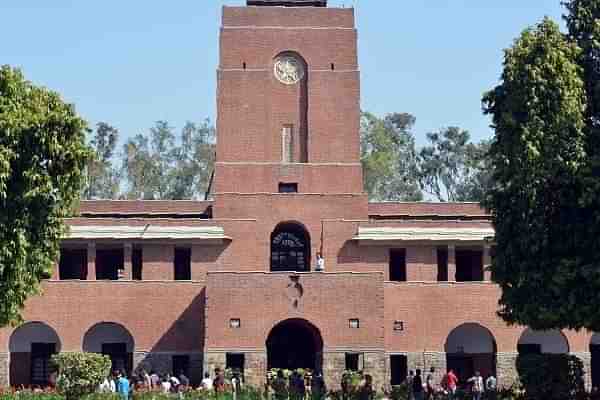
(352, 253)
(182, 343)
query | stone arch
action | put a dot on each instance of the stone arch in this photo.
(111, 339)
(31, 346)
(295, 343)
(290, 248)
(471, 347)
(294, 133)
(542, 342)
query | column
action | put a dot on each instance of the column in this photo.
(91, 261)
(127, 264)
(451, 263)
(487, 263)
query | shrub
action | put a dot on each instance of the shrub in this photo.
(79, 374)
(551, 377)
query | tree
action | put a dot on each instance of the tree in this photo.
(389, 158)
(537, 158)
(158, 168)
(103, 180)
(80, 373)
(42, 158)
(452, 168)
(194, 161)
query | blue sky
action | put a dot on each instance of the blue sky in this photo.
(133, 62)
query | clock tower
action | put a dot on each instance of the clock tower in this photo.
(288, 112)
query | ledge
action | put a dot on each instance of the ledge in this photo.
(393, 234)
(147, 232)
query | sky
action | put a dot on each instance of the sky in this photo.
(131, 63)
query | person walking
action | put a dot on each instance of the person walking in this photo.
(491, 387)
(451, 382)
(409, 381)
(477, 386)
(122, 386)
(207, 383)
(429, 385)
(417, 386)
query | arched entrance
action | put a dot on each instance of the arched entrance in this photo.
(295, 343)
(31, 346)
(113, 340)
(471, 347)
(542, 342)
(290, 248)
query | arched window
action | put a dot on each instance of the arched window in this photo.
(290, 248)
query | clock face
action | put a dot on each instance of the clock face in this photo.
(289, 70)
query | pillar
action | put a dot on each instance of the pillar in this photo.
(91, 261)
(451, 263)
(487, 263)
(127, 264)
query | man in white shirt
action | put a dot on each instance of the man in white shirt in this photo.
(320, 262)
(207, 383)
(477, 382)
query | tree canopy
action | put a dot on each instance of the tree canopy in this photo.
(539, 163)
(452, 168)
(42, 159)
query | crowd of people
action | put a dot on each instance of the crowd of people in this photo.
(125, 386)
(420, 388)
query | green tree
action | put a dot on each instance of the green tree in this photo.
(389, 158)
(537, 157)
(42, 158)
(158, 167)
(103, 179)
(194, 161)
(451, 168)
(80, 373)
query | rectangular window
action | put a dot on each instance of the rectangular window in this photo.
(398, 265)
(287, 143)
(288, 188)
(442, 264)
(136, 264)
(108, 263)
(529, 349)
(183, 264)
(235, 362)
(40, 362)
(399, 369)
(181, 364)
(352, 362)
(72, 264)
(469, 265)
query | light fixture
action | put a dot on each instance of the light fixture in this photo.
(235, 323)
(354, 323)
(398, 325)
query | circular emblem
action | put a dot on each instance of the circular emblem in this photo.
(289, 70)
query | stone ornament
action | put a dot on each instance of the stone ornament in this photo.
(289, 70)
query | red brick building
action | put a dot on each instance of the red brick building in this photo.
(234, 282)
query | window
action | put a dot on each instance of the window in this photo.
(181, 364)
(183, 264)
(352, 362)
(40, 362)
(136, 264)
(288, 188)
(290, 248)
(244, 65)
(287, 143)
(235, 323)
(398, 265)
(529, 349)
(442, 263)
(354, 323)
(469, 265)
(235, 362)
(332, 66)
(72, 264)
(108, 263)
(399, 369)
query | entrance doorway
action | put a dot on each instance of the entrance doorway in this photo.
(469, 348)
(295, 343)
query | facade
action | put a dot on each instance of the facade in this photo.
(236, 282)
